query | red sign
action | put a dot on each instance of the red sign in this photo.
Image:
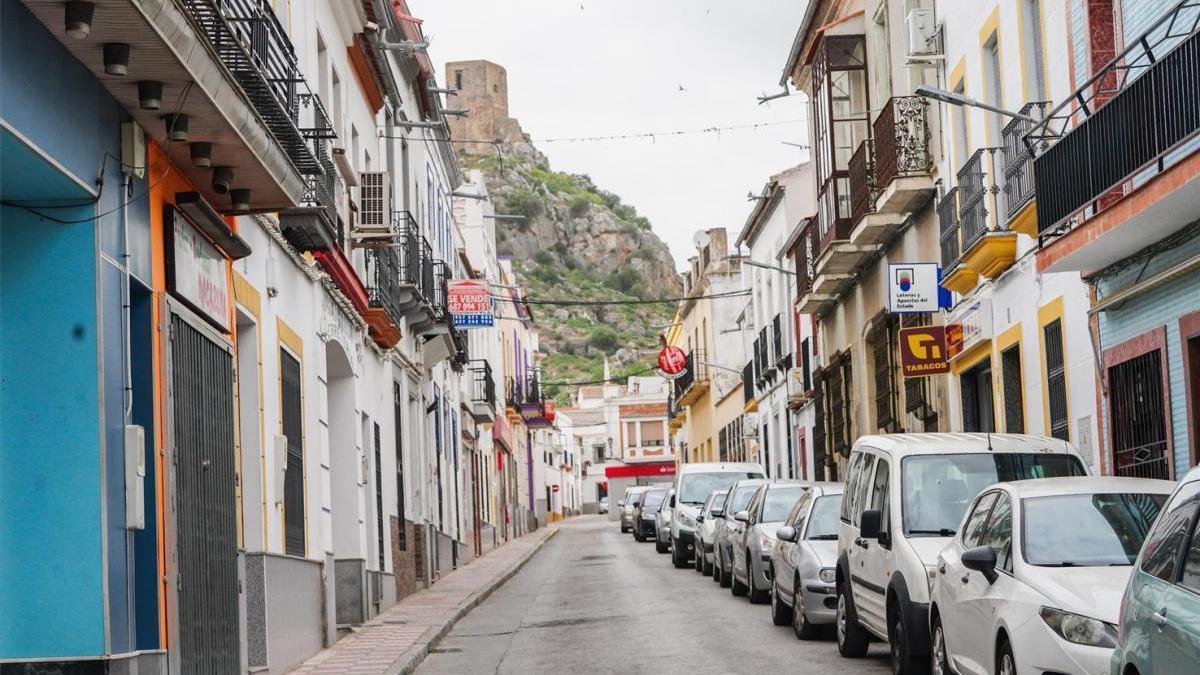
(671, 362)
(923, 351)
(635, 470)
(470, 303)
(548, 411)
(554, 488)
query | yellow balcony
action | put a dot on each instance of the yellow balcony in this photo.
(960, 278)
(991, 254)
(1025, 220)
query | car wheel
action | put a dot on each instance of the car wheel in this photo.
(1005, 664)
(939, 664)
(726, 577)
(624, 529)
(737, 587)
(800, 625)
(900, 647)
(660, 547)
(713, 568)
(757, 597)
(706, 567)
(852, 639)
(679, 555)
(781, 614)
(698, 558)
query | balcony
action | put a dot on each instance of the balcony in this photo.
(482, 405)
(1115, 164)
(383, 313)
(815, 292)
(315, 225)
(416, 272)
(869, 226)
(987, 250)
(956, 276)
(676, 413)
(1019, 200)
(694, 382)
(524, 402)
(903, 163)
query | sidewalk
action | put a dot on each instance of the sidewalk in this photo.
(398, 640)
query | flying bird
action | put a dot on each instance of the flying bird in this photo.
(681, 88)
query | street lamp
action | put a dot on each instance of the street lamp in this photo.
(954, 98)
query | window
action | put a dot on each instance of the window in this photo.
(1089, 529)
(992, 74)
(999, 533)
(861, 488)
(631, 434)
(1161, 552)
(840, 119)
(778, 501)
(839, 387)
(853, 476)
(1056, 379)
(652, 433)
(879, 491)
(1190, 577)
(1014, 406)
(806, 364)
(885, 377)
(1138, 422)
(293, 476)
(974, 528)
(958, 116)
(977, 408)
(1035, 76)
(822, 519)
(458, 80)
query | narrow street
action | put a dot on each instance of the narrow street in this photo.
(594, 600)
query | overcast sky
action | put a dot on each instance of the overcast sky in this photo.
(601, 67)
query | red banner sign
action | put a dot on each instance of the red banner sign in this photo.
(671, 362)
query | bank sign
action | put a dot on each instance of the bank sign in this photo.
(913, 288)
(470, 303)
(197, 273)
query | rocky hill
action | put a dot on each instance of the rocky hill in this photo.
(580, 242)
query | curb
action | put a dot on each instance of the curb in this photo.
(409, 660)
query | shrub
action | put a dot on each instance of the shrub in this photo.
(626, 280)
(580, 206)
(604, 338)
(543, 258)
(525, 203)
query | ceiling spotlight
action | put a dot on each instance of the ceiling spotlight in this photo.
(177, 127)
(116, 58)
(79, 19)
(240, 199)
(201, 154)
(222, 179)
(150, 94)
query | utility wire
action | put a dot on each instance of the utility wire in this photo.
(615, 380)
(646, 301)
(668, 133)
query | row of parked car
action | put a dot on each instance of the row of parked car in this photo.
(964, 553)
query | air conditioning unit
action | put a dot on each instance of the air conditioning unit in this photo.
(750, 425)
(374, 202)
(923, 38)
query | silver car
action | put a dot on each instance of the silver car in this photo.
(662, 524)
(705, 526)
(726, 527)
(753, 544)
(632, 500)
(804, 564)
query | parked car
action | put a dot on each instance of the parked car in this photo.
(803, 592)
(662, 524)
(633, 499)
(905, 497)
(753, 544)
(693, 484)
(603, 505)
(705, 525)
(1032, 582)
(1160, 610)
(644, 517)
(727, 527)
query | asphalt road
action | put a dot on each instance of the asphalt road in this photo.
(595, 601)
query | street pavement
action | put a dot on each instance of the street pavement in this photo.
(593, 600)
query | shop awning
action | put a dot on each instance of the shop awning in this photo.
(637, 470)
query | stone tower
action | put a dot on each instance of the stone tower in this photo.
(482, 89)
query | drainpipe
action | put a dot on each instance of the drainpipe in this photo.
(529, 472)
(126, 348)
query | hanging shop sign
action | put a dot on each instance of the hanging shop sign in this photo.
(196, 271)
(672, 362)
(968, 328)
(913, 288)
(642, 410)
(470, 303)
(923, 351)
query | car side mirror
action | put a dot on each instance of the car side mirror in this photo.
(717, 513)
(742, 516)
(868, 524)
(700, 518)
(982, 559)
(621, 503)
(672, 501)
(786, 533)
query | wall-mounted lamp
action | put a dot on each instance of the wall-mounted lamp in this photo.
(222, 179)
(116, 58)
(78, 22)
(241, 199)
(177, 127)
(150, 94)
(201, 154)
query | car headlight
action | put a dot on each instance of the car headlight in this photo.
(765, 544)
(685, 520)
(1079, 629)
(828, 575)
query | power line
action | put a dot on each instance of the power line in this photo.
(614, 380)
(640, 301)
(654, 135)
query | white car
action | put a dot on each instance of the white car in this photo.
(1032, 583)
(694, 482)
(803, 593)
(905, 497)
(705, 528)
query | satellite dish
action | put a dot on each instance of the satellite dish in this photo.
(700, 239)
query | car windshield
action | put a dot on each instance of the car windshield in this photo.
(938, 488)
(715, 501)
(652, 500)
(779, 503)
(823, 519)
(694, 487)
(740, 498)
(1087, 530)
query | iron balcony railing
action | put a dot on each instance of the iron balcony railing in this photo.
(248, 39)
(440, 285)
(696, 370)
(415, 253)
(901, 137)
(972, 199)
(947, 210)
(777, 340)
(1018, 159)
(483, 384)
(806, 258)
(1129, 118)
(383, 280)
(320, 187)
(862, 181)
(748, 382)
(526, 390)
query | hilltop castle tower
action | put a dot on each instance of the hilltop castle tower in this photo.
(482, 89)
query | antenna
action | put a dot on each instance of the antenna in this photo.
(989, 440)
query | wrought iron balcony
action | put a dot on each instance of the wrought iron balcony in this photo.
(693, 383)
(748, 384)
(947, 210)
(383, 294)
(972, 199)
(902, 150)
(1134, 119)
(1018, 159)
(862, 181)
(483, 391)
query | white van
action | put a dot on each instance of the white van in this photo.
(693, 484)
(905, 496)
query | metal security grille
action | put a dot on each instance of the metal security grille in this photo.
(1139, 422)
(1056, 380)
(1014, 405)
(885, 377)
(977, 406)
(379, 497)
(397, 408)
(293, 477)
(819, 435)
(206, 507)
